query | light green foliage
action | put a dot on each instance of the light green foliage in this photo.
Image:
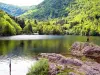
(30, 27)
(29, 13)
(9, 30)
(84, 17)
(51, 29)
(42, 27)
(75, 17)
(41, 67)
(8, 26)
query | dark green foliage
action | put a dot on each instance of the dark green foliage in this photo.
(29, 25)
(41, 67)
(21, 22)
(28, 29)
(35, 22)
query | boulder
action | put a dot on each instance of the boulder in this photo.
(85, 49)
(70, 61)
(91, 68)
(58, 63)
(77, 48)
(92, 51)
(60, 59)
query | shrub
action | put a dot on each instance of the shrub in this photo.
(41, 67)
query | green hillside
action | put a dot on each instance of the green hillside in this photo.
(48, 9)
(56, 17)
(8, 26)
(84, 17)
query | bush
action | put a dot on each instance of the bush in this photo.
(41, 67)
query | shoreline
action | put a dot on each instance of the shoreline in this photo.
(71, 65)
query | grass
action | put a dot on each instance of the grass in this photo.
(41, 67)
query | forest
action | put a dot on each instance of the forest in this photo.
(57, 17)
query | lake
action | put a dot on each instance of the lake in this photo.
(22, 49)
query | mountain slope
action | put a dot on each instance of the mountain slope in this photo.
(48, 9)
(8, 26)
(12, 10)
(84, 17)
(79, 17)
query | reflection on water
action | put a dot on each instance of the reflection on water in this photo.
(19, 66)
(28, 46)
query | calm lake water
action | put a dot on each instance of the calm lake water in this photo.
(22, 49)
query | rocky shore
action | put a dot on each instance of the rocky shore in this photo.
(61, 65)
(86, 49)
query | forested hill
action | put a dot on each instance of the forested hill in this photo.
(48, 9)
(84, 17)
(56, 17)
(8, 26)
(12, 10)
(77, 17)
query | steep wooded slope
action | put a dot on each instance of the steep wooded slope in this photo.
(8, 26)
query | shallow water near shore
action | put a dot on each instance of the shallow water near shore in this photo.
(23, 49)
(19, 66)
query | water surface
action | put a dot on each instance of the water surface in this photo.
(22, 49)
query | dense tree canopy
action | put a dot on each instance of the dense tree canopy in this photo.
(8, 26)
(48, 9)
(84, 17)
(55, 17)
